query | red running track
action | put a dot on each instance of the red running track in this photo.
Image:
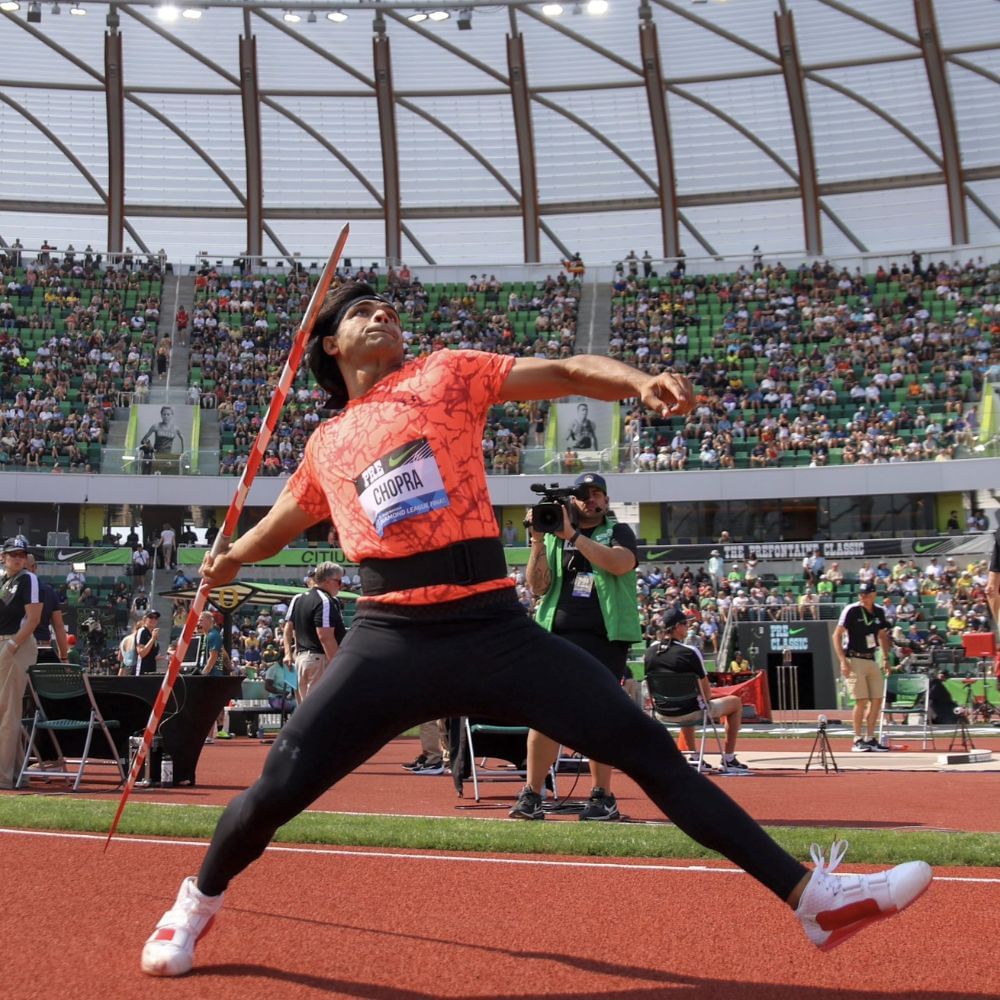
(396, 926)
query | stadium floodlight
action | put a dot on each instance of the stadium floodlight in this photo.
(417, 16)
(597, 7)
(168, 13)
(78, 10)
(337, 16)
(552, 9)
(192, 13)
(290, 17)
(439, 15)
(9, 6)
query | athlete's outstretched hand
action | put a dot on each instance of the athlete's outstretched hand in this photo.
(668, 394)
(221, 568)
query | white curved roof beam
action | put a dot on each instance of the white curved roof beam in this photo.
(798, 106)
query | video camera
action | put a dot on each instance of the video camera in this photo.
(547, 515)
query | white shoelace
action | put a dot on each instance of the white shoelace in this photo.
(823, 867)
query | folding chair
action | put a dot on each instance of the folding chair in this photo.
(668, 690)
(906, 695)
(485, 740)
(67, 684)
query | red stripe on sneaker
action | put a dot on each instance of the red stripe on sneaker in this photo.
(865, 909)
(840, 936)
(164, 934)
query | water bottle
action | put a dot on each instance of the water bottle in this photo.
(167, 770)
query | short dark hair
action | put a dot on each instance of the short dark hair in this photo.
(324, 366)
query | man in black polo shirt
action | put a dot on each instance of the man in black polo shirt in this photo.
(671, 654)
(50, 635)
(20, 612)
(317, 626)
(861, 630)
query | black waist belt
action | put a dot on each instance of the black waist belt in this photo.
(463, 563)
(860, 656)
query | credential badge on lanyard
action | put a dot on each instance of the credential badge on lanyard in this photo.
(404, 483)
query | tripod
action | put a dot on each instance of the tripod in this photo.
(982, 711)
(821, 746)
(961, 733)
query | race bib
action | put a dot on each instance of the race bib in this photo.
(404, 483)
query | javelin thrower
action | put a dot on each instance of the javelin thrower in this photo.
(233, 514)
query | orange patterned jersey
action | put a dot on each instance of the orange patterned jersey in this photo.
(400, 470)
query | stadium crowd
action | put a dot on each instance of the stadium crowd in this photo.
(241, 330)
(76, 340)
(819, 361)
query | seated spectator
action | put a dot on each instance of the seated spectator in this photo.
(670, 653)
(75, 580)
(279, 683)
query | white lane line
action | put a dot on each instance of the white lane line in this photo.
(469, 859)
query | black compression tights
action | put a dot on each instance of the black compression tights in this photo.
(393, 672)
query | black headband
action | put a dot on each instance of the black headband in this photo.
(334, 326)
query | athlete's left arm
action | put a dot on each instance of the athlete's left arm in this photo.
(599, 378)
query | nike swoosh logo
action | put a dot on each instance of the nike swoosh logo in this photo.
(921, 547)
(395, 460)
(796, 631)
(657, 555)
(69, 555)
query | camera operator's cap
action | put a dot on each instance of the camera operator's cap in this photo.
(673, 618)
(14, 545)
(868, 588)
(152, 613)
(592, 479)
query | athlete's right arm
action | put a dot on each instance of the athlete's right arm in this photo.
(838, 649)
(285, 521)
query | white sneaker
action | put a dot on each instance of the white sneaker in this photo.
(169, 950)
(832, 908)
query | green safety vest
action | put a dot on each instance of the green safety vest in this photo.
(615, 594)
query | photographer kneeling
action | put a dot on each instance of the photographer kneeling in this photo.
(584, 572)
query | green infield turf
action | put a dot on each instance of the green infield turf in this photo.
(618, 840)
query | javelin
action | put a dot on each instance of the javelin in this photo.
(233, 514)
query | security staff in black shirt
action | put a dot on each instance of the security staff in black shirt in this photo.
(50, 636)
(862, 630)
(315, 624)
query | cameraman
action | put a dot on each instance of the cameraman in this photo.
(585, 576)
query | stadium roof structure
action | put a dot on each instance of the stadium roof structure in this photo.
(501, 132)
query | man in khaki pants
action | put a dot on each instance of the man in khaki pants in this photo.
(20, 612)
(862, 630)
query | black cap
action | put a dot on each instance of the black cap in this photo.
(592, 479)
(152, 613)
(16, 544)
(867, 588)
(674, 617)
